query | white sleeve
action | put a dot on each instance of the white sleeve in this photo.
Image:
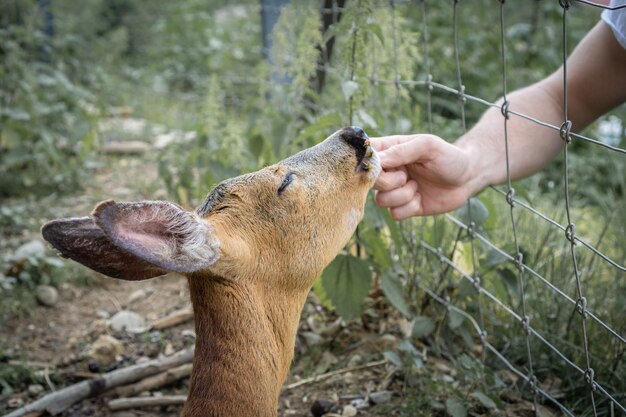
(616, 19)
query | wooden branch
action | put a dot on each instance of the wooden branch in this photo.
(152, 382)
(56, 402)
(138, 402)
(177, 317)
(321, 377)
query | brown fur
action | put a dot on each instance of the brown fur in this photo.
(272, 245)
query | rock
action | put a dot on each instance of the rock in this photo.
(15, 402)
(355, 360)
(127, 320)
(380, 397)
(323, 406)
(105, 350)
(188, 333)
(31, 249)
(137, 295)
(35, 389)
(360, 403)
(47, 295)
(312, 339)
(169, 349)
(103, 314)
(349, 411)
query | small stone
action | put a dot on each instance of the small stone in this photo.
(15, 402)
(322, 406)
(93, 366)
(35, 389)
(360, 403)
(188, 333)
(349, 411)
(103, 314)
(312, 339)
(47, 295)
(127, 320)
(137, 295)
(169, 349)
(355, 360)
(31, 249)
(380, 397)
(105, 349)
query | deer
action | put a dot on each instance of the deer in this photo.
(250, 252)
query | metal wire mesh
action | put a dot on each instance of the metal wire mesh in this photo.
(526, 274)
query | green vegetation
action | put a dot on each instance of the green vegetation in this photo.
(197, 66)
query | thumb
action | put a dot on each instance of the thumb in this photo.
(405, 153)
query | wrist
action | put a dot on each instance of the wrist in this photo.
(481, 166)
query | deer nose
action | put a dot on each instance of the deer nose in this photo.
(356, 137)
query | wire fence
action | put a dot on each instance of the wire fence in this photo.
(527, 275)
(525, 370)
(525, 272)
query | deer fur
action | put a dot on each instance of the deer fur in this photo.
(250, 252)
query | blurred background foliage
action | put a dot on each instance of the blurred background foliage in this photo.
(199, 67)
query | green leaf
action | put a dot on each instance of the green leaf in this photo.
(318, 288)
(347, 282)
(483, 399)
(477, 209)
(455, 319)
(376, 30)
(422, 326)
(393, 358)
(392, 287)
(376, 247)
(455, 408)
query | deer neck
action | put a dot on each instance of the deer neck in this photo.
(245, 339)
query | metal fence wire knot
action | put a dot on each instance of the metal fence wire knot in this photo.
(589, 374)
(565, 4)
(525, 324)
(518, 260)
(504, 109)
(570, 233)
(565, 130)
(471, 230)
(462, 98)
(477, 283)
(581, 307)
(510, 197)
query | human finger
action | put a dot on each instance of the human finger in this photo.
(415, 150)
(410, 209)
(398, 197)
(385, 142)
(389, 180)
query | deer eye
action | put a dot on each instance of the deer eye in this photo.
(288, 180)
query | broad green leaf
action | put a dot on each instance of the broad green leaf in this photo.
(477, 209)
(376, 247)
(455, 319)
(423, 326)
(376, 30)
(455, 408)
(483, 399)
(318, 288)
(392, 287)
(393, 358)
(347, 282)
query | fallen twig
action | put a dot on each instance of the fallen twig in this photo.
(177, 317)
(321, 377)
(58, 401)
(156, 381)
(138, 402)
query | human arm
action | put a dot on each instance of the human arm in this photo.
(425, 175)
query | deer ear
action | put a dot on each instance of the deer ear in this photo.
(160, 233)
(82, 240)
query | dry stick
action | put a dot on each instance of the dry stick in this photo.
(61, 400)
(177, 317)
(156, 381)
(320, 377)
(137, 402)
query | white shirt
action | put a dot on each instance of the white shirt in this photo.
(616, 19)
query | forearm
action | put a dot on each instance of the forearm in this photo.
(596, 84)
(530, 145)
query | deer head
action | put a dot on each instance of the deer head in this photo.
(251, 252)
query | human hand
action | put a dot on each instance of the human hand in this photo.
(422, 175)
